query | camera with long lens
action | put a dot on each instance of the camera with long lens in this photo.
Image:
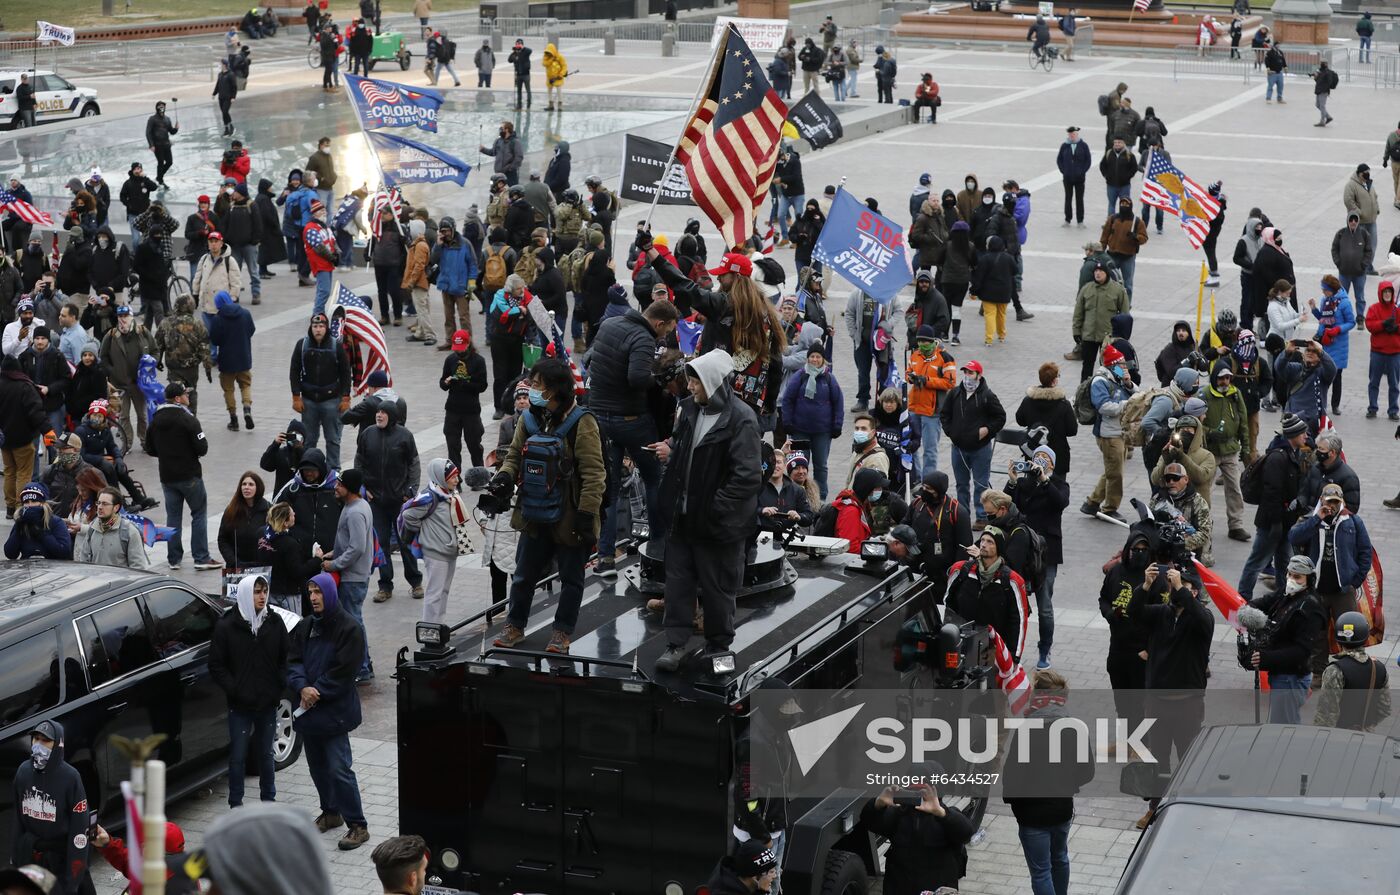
(1026, 441)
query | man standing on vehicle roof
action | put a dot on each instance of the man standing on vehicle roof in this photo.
(52, 816)
(711, 486)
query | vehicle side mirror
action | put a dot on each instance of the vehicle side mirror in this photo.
(1146, 781)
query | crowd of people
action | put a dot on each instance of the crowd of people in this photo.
(693, 391)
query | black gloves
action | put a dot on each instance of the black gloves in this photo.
(1390, 326)
(583, 527)
(502, 485)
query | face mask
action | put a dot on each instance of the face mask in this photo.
(987, 201)
(34, 249)
(971, 184)
(969, 384)
(926, 347)
(40, 753)
(860, 437)
(103, 241)
(876, 495)
(537, 398)
(1293, 587)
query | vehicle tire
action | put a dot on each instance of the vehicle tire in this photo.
(405, 60)
(844, 875)
(90, 111)
(369, 66)
(286, 742)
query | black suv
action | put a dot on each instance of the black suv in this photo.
(107, 651)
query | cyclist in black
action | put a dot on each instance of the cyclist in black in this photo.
(1040, 33)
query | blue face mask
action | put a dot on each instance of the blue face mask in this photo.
(537, 398)
(860, 436)
(876, 495)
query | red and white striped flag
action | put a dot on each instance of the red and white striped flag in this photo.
(54, 256)
(1141, 5)
(1011, 677)
(770, 241)
(26, 212)
(730, 145)
(385, 203)
(361, 323)
(134, 833)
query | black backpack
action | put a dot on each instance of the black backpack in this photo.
(1035, 575)
(1103, 105)
(447, 51)
(1252, 479)
(824, 525)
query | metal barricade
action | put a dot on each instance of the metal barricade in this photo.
(1216, 61)
(1385, 70)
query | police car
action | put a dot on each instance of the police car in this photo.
(55, 98)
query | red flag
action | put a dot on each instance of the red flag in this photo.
(54, 256)
(1011, 677)
(1229, 602)
(134, 834)
(730, 145)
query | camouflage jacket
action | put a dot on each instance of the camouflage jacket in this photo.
(1329, 697)
(569, 220)
(496, 211)
(183, 341)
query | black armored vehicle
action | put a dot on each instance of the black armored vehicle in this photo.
(531, 772)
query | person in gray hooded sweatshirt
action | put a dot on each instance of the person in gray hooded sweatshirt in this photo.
(713, 476)
(428, 523)
(51, 823)
(264, 849)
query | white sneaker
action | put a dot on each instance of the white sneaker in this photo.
(174, 566)
(208, 565)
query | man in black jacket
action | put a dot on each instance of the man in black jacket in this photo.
(464, 379)
(983, 588)
(159, 130)
(1297, 622)
(711, 489)
(943, 527)
(1127, 637)
(283, 455)
(971, 417)
(1179, 625)
(47, 368)
(520, 58)
(177, 441)
(242, 230)
(311, 493)
(248, 660)
(1327, 468)
(135, 196)
(752, 868)
(1041, 497)
(320, 380)
(1279, 482)
(928, 841)
(52, 814)
(387, 455)
(22, 420)
(620, 366)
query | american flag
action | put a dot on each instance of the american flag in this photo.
(1141, 5)
(770, 242)
(390, 202)
(1167, 188)
(54, 256)
(730, 145)
(1011, 677)
(379, 92)
(360, 322)
(26, 212)
(557, 348)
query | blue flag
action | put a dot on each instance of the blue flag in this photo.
(688, 336)
(386, 104)
(865, 247)
(408, 161)
(151, 533)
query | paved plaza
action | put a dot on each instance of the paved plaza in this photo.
(999, 120)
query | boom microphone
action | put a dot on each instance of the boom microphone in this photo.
(1253, 620)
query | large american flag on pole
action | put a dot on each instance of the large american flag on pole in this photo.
(26, 212)
(360, 322)
(1167, 188)
(730, 145)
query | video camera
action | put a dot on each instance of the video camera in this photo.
(957, 654)
(231, 156)
(478, 479)
(1026, 440)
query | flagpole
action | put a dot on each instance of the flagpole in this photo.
(704, 82)
(373, 153)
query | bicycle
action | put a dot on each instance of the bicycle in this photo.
(1046, 58)
(176, 287)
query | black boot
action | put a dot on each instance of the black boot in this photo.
(232, 421)
(247, 418)
(139, 499)
(957, 331)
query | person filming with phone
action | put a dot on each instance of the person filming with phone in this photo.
(928, 841)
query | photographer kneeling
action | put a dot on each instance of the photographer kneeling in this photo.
(1282, 643)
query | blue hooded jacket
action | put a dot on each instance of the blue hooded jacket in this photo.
(326, 654)
(231, 332)
(1336, 311)
(1353, 546)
